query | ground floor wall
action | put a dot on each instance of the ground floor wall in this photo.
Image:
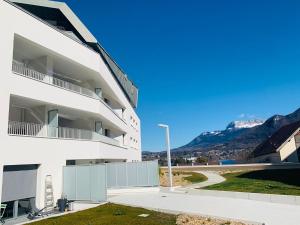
(51, 156)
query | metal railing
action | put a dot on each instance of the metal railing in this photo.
(73, 87)
(80, 134)
(23, 70)
(20, 68)
(42, 130)
(26, 129)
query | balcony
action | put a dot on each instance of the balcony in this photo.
(21, 69)
(41, 130)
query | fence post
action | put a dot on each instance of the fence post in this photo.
(147, 173)
(75, 185)
(137, 173)
(126, 173)
(116, 169)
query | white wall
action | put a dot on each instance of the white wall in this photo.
(76, 52)
(287, 149)
(51, 154)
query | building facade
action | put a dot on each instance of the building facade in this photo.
(64, 101)
(282, 146)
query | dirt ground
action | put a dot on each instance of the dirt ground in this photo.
(198, 220)
(178, 180)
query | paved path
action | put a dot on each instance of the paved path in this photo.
(241, 209)
(212, 178)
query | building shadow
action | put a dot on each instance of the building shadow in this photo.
(287, 176)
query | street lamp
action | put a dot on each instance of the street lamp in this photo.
(168, 154)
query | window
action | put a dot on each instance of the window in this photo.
(107, 132)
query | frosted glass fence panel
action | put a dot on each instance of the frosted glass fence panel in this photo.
(132, 170)
(111, 175)
(121, 175)
(133, 174)
(87, 183)
(83, 182)
(98, 182)
(143, 174)
(69, 182)
(153, 173)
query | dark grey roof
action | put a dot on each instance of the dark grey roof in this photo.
(276, 140)
(127, 85)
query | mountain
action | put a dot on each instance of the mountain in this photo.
(213, 138)
(238, 138)
(244, 124)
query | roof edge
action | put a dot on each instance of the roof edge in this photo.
(67, 11)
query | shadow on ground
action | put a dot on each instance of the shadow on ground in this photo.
(287, 176)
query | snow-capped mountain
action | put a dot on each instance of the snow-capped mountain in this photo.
(211, 133)
(240, 124)
(238, 140)
(233, 130)
(239, 135)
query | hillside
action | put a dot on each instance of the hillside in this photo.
(239, 136)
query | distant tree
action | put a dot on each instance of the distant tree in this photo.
(201, 159)
(179, 161)
(162, 162)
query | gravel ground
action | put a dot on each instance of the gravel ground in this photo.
(198, 220)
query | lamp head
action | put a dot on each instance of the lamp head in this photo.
(163, 125)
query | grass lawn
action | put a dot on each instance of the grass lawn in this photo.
(283, 181)
(111, 214)
(194, 177)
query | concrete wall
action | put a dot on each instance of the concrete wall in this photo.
(237, 167)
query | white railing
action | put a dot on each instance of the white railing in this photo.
(72, 133)
(73, 87)
(80, 134)
(26, 129)
(23, 70)
(41, 130)
(20, 68)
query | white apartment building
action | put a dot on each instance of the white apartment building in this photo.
(64, 101)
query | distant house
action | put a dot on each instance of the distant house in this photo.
(282, 146)
(192, 159)
(227, 162)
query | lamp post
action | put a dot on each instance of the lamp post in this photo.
(168, 154)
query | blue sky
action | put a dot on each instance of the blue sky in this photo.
(201, 64)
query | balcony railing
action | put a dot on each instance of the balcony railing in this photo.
(23, 70)
(41, 130)
(26, 129)
(20, 68)
(73, 133)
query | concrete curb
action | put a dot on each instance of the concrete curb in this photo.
(118, 191)
(272, 198)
